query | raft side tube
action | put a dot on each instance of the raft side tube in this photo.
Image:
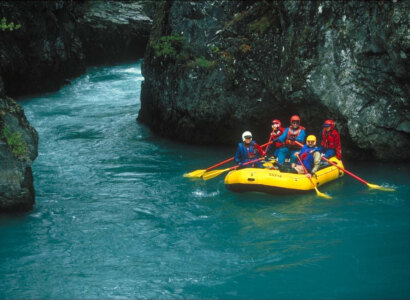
(274, 181)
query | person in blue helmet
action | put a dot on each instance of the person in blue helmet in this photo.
(247, 150)
(294, 133)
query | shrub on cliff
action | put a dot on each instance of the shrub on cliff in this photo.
(15, 142)
(4, 26)
(168, 45)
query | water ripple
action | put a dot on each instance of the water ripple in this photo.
(114, 218)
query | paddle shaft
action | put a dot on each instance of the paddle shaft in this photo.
(320, 194)
(221, 163)
(215, 173)
(346, 171)
(269, 143)
(299, 144)
(304, 168)
(247, 163)
(231, 159)
(306, 171)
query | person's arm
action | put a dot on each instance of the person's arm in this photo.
(283, 136)
(238, 155)
(301, 137)
(316, 161)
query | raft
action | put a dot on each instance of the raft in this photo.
(276, 182)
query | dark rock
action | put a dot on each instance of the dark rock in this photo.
(44, 52)
(16, 180)
(238, 64)
(56, 42)
(113, 31)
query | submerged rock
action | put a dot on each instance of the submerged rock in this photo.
(215, 69)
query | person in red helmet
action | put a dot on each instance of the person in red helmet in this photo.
(293, 133)
(330, 144)
(277, 130)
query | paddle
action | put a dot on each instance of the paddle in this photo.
(311, 181)
(372, 186)
(212, 174)
(268, 143)
(199, 173)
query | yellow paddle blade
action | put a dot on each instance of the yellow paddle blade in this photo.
(323, 195)
(214, 173)
(196, 173)
(378, 187)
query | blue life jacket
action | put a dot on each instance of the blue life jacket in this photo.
(244, 154)
(306, 155)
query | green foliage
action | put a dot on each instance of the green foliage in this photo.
(4, 26)
(15, 142)
(260, 25)
(202, 62)
(167, 45)
(215, 49)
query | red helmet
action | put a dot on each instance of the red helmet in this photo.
(276, 121)
(294, 118)
(329, 123)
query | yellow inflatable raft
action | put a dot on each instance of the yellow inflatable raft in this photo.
(275, 182)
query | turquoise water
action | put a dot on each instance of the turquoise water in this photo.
(114, 218)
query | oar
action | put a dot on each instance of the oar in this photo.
(299, 144)
(311, 181)
(270, 140)
(372, 186)
(199, 173)
(268, 143)
(212, 174)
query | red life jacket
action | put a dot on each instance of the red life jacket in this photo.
(331, 140)
(294, 133)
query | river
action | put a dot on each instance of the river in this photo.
(115, 218)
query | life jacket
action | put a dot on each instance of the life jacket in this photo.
(294, 133)
(246, 154)
(331, 140)
(306, 155)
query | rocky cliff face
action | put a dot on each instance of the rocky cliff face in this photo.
(18, 149)
(57, 40)
(113, 31)
(213, 70)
